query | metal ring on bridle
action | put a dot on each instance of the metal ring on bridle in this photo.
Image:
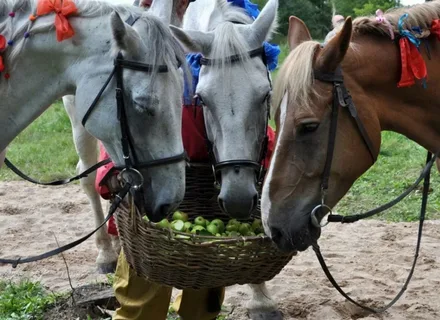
(323, 221)
(132, 176)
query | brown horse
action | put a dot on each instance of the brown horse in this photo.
(371, 67)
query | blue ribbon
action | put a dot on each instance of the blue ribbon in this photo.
(406, 33)
(271, 51)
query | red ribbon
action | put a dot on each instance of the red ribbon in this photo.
(2, 47)
(413, 65)
(435, 28)
(2, 43)
(62, 9)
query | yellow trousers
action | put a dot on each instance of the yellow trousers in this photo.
(144, 300)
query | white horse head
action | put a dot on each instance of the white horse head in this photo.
(235, 93)
(42, 70)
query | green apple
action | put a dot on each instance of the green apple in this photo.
(234, 234)
(213, 229)
(257, 226)
(164, 223)
(197, 229)
(233, 221)
(244, 228)
(179, 215)
(178, 225)
(232, 227)
(220, 224)
(187, 226)
(200, 221)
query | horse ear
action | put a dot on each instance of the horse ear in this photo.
(334, 51)
(193, 41)
(266, 22)
(123, 34)
(298, 32)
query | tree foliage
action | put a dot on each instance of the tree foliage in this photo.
(317, 14)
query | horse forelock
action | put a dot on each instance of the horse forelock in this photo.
(296, 77)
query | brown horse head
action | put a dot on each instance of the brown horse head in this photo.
(370, 63)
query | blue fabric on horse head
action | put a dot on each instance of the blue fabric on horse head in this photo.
(271, 51)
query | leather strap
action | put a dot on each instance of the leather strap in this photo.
(330, 144)
(234, 58)
(327, 272)
(84, 174)
(119, 197)
(356, 217)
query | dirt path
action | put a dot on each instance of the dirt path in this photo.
(370, 259)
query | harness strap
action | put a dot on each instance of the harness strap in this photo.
(317, 250)
(84, 174)
(234, 58)
(330, 144)
(119, 197)
(95, 101)
(356, 217)
(137, 66)
(347, 101)
(159, 162)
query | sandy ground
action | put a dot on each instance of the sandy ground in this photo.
(370, 259)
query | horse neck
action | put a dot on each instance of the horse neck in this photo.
(413, 111)
(46, 69)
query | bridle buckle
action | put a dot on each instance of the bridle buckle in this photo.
(133, 177)
(320, 223)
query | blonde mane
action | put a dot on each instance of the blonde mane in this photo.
(296, 76)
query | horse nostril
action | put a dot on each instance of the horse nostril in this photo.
(276, 234)
(164, 209)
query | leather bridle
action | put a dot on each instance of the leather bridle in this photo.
(130, 170)
(342, 98)
(257, 166)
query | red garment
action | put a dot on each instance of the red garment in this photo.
(193, 135)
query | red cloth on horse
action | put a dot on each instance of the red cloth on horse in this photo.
(193, 135)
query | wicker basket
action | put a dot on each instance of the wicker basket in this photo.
(194, 261)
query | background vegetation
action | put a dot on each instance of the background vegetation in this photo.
(317, 14)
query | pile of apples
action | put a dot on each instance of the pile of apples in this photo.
(217, 227)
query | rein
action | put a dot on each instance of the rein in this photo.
(258, 167)
(342, 98)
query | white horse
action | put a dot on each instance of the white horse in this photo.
(42, 70)
(234, 95)
(87, 149)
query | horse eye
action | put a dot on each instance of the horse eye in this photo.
(305, 128)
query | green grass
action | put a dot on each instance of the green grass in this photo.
(399, 165)
(24, 300)
(45, 149)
